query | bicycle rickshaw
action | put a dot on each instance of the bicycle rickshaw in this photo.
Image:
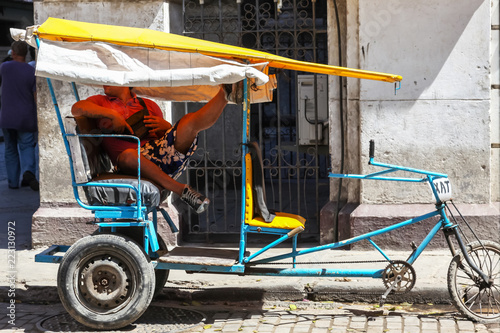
(107, 280)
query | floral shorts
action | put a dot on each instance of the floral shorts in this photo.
(163, 153)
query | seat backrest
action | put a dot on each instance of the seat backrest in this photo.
(255, 200)
(89, 159)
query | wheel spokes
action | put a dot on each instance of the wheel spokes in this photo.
(483, 301)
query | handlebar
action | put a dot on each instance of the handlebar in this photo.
(372, 149)
(389, 169)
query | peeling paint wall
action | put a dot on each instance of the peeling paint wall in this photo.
(440, 119)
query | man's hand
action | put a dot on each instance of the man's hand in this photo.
(120, 125)
(157, 125)
(115, 124)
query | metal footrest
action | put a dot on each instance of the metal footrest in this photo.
(200, 256)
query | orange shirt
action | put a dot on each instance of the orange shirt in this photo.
(114, 146)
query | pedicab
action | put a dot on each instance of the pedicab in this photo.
(107, 280)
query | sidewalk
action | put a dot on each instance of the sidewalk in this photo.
(431, 269)
(19, 205)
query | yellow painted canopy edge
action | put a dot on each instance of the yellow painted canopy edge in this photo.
(75, 31)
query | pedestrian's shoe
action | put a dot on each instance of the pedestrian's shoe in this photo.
(29, 179)
(234, 92)
(197, 201)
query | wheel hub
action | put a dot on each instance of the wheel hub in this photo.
(104, 283)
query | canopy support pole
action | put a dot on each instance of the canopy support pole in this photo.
(244, 149)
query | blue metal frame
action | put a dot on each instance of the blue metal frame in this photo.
(244, 150)
(246, 264)
(49, 255)
(136, 211)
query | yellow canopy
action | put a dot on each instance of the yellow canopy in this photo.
(73, 31)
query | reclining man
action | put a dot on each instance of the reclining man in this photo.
(165, 149)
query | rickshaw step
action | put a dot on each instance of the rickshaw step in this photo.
(50, 256)
(200, 256)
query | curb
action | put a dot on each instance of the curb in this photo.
(263, 293)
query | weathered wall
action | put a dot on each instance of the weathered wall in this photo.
(55, 178)
(439, 120)
(58, 212)
(443, 119)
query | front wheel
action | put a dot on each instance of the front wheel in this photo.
(105, 281)
(476, 300)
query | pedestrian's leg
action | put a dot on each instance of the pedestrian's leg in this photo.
(27, 146)
(27, 153)
(192, 123)
(12, 163)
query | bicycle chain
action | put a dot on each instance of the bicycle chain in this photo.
(321, 262)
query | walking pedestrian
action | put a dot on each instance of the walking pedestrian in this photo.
(18, 118)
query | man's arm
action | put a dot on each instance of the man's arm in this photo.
(88, 109)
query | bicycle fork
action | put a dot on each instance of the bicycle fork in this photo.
(453, 230)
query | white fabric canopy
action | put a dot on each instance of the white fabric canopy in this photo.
(155, 73)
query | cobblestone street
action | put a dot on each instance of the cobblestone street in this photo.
(279, 317)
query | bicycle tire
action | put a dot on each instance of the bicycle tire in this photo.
(105, 281)
(478, 303)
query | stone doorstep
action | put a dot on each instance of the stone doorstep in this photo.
(355, 220)
(65, 225)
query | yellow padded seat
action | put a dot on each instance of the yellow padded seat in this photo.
(281, 221)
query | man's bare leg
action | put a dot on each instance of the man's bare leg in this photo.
(192, 123)
(127, 161)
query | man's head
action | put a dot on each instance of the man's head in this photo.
(115, 91)
(122, 93)
(19, 49)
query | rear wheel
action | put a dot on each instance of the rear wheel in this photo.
(105, 281)
(477, 300)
